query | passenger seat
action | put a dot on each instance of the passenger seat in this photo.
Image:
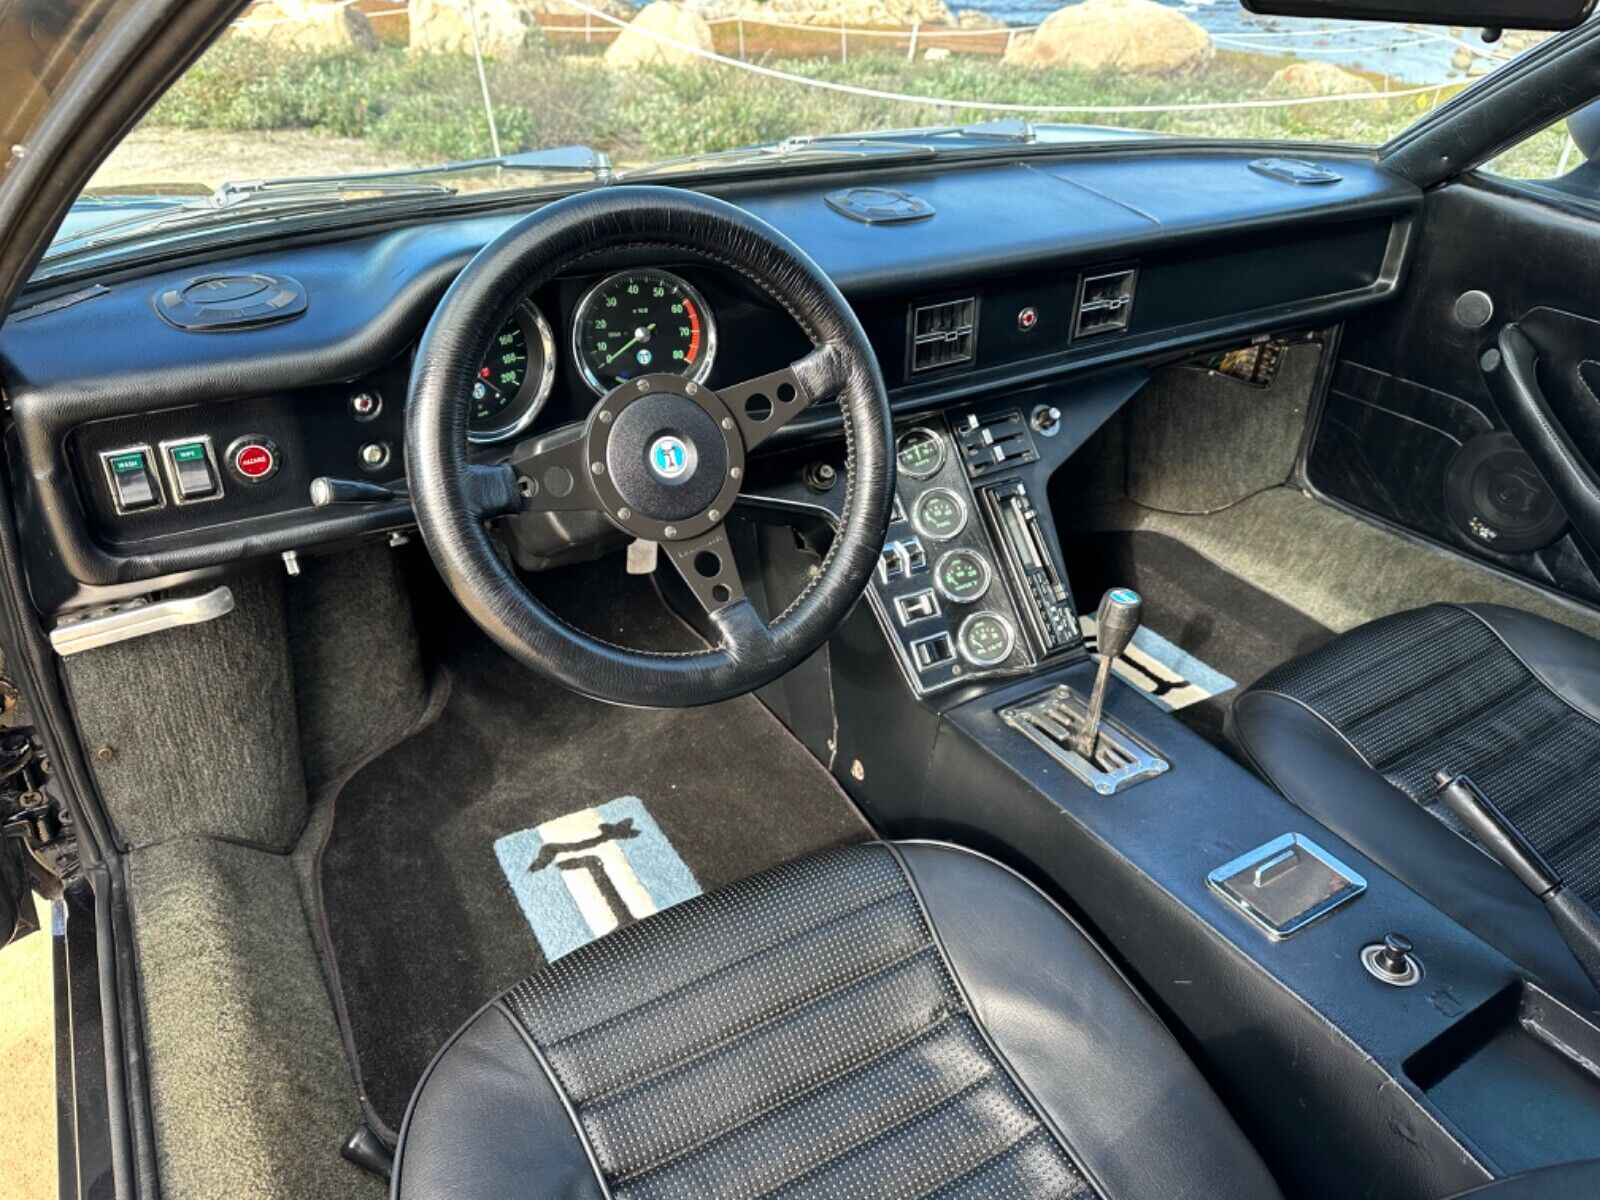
(1354, 733)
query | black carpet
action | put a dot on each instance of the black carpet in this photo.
(423, 924)
(1195, 604)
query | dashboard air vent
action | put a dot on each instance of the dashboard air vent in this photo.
(1105, 303)
(944, 334)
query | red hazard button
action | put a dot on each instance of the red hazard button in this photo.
(253, 459)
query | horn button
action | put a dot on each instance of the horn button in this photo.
(666, 457)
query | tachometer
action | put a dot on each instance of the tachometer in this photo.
(641, 322)
(514, 377)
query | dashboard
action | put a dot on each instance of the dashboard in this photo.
(168, 423)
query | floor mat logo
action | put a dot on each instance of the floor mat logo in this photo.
(582, 875)
(1166, 675)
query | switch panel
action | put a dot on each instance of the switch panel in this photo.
(131, 476)
(937, 591)
(191, 469)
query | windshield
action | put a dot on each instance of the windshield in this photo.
(320, 88)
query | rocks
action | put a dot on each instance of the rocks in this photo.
(622, 9)
(634, 49)
(1319, 79)
(445, 26)
(976, 18)
(307, 26)
(1133, 36)
(856, 13)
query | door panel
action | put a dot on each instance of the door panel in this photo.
(1412, 430)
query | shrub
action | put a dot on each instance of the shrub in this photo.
(429, 106)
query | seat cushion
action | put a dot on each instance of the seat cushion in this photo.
(1355, 732)
(881, 1020)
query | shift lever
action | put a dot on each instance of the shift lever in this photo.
(1115, 623)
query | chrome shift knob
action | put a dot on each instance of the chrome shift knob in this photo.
(1117, 621)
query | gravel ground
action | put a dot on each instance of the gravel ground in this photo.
(207, 158)
(27, 1068)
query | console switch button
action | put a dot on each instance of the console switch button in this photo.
(933, 651)
(133, 485)
(193, 475)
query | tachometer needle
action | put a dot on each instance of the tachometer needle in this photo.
(639, 335)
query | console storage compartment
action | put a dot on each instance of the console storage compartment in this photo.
(1519, 1076)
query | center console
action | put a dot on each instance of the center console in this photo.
(968, 585)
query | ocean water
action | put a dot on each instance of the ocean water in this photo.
(1414, 54)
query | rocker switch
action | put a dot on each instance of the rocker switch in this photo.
(193, 473)
(133, 485)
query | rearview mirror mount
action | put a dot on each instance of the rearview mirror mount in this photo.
(1489, 14)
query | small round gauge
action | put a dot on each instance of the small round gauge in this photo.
(639, 323)
(939, 514)
(985, 639)
(514, 377)
(962, 576)
(919, 452)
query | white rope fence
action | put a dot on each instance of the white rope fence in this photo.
(613, 25)
(946, 102)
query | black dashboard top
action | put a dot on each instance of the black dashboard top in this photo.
(1217, 250)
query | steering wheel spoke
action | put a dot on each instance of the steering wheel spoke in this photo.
(764, 405)
(552, 474)
(706, 565)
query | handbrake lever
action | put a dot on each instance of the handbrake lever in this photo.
(1574, 919)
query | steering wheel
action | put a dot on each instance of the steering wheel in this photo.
(661, 457)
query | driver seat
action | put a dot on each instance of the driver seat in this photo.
(884, 1019)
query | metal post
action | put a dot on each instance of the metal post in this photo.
(844, 44)
(740, 19)
(483, 79)
(588, 26)
(911, 50)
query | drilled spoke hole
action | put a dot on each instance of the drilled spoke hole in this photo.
(707, 564)
(757, 406)
(720, 593)
(786, 393)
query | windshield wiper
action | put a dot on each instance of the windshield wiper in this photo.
(895, 143)
(560, 160)
(789, 150)
(233, 202)
(248, 199)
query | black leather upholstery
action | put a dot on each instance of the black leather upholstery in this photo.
(882, 1020)
(1354, 732)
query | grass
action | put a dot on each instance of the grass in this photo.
(428, 107)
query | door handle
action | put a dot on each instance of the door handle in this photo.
(1511, 372)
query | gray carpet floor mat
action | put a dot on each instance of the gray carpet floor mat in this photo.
(1339, 570)
(524, 820)
(1209, 614)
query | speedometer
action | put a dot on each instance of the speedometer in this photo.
(640, 323)
(514, 378)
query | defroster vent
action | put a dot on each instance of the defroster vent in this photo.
(944, 334)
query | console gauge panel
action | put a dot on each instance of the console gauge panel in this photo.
(943, 590)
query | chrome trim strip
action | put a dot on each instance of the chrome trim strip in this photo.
(139, 619)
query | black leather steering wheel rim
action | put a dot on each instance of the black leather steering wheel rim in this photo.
(453, 498)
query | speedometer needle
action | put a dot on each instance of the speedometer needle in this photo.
(638, 336)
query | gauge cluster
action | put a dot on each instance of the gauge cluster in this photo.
(612, 328)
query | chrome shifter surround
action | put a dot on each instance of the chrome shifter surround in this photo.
(1053, 720)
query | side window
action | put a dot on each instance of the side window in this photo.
(1565, 157)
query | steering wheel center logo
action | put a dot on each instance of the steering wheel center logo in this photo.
(669, 457)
